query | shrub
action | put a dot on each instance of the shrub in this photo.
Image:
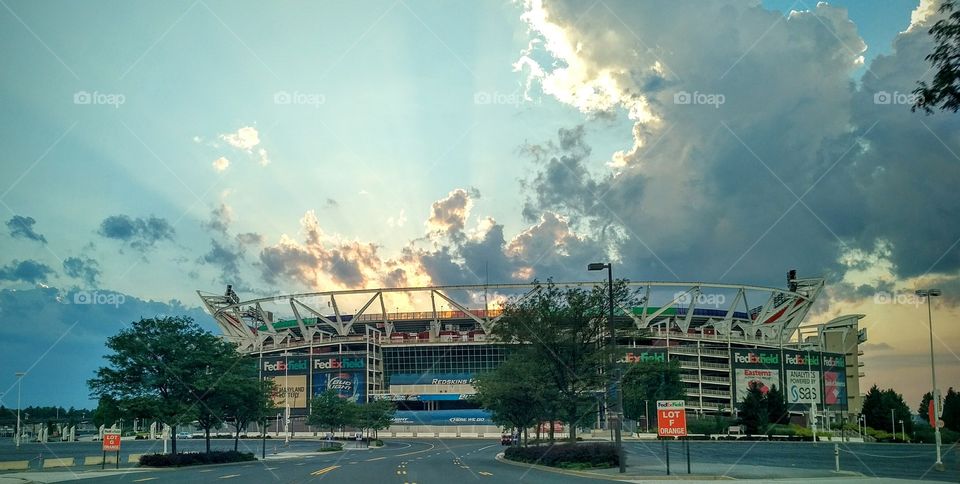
(194, 458)
(924, 434)
(584, 455)
(331, 447)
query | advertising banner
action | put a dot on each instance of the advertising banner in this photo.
(442, 417)
(755, 366)
(802, 382)
(834, 381)
(432, 379)
(337, 362)
(644, 354)
(293, 365)
(292, 388)
(348, 385)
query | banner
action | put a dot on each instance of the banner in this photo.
(348, 385)
(802, 383)
(754, 366)
(291, 365)
(764, 378)
(442, 417)
(432, 379)
(835, 381)
(292, 388)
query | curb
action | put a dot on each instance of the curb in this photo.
(594, 475)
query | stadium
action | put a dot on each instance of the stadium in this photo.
(361, 344)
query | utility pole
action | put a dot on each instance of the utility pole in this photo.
(617, 399)
(929, 293)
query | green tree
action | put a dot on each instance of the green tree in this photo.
(776, 406)
(250, 401)
(924, 409)
(566, 330)
(951, 410)
(752, 411)
(516, 393)
(167, 365)
(376, 415)
(107, 411)
(329, 411)
(944, 91)
(648, 381)
(884, 409)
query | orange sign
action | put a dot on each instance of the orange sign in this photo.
(111, 442)
(671, 418)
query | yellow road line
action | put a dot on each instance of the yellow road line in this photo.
(323, 471)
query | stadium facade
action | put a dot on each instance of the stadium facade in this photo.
(723, 336)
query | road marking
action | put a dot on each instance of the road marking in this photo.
(229, 476)
(144, 479)
(300, 464)
(376, 458)
(207, 470)
(354, 462)
(323, 471)
(485, 473)
(487, 447)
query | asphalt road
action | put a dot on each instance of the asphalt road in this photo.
(451, 460)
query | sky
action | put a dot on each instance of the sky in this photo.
(153, 150)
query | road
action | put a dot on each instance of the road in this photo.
(450, 460)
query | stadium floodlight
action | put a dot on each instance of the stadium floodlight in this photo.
(930, 293)
(597, 266)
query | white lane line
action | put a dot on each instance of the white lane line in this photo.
(229, 476)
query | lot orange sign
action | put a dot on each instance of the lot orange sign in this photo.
(111, 442)
(671, 418)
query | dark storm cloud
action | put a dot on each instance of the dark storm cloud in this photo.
(82, 268)
(139, 233)
(25, 271)
(22, 227)
(250, 238)
(226, 259)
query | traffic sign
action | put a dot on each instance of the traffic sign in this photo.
(940, 423)
(671, 418)
(111, 442)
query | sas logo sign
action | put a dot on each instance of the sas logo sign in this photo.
(643, 357)
(757, 358)
(801, 359)
(338, 364)
(281, 365)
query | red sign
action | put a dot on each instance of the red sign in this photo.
(671, 418)
(111, 442)
(931, 414)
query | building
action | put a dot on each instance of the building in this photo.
(723, 336)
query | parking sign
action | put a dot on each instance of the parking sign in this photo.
(111, 442)
(671, 418)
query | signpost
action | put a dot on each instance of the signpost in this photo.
(111, 443)
(672, 422)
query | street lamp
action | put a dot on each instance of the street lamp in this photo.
(903, 431)
(929, 293)
(617, 403)
(19, 376)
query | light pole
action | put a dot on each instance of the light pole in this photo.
(903, 431)
(19, 376)
(617, 403)
(929, 293)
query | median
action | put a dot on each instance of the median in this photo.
(578, 456)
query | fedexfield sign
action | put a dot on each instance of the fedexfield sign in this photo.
(644, 356)
(800, 359)
(286, 365)
(339, 364)
(758, 358)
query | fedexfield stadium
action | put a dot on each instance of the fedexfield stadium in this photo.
(361, 344)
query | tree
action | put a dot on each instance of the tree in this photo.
(107, 411)
(944, 92)
(329, 411)
(566, 332)
(516, 393)
(877, 407)
(777, 406)
(648, 381)
(753, 410)
(251, 401)
(951, 410)
(376, 415)
(168, 365)
(924, 409)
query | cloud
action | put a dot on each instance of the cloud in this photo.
(82, 268)
(225, 258)
(250, 238)
(448, 216)
(398, 221)
(220, 219)
(263, 158)
(221, 164)
(330, 203)
(245, 138)
(22, 227)
(30, 271)
(141, 234)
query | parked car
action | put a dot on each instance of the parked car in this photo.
(184, 435)
(506, 439)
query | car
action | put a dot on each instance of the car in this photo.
(506, 439)
(184, 435)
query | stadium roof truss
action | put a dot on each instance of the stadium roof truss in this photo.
(249, 325)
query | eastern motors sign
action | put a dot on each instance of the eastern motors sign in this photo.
(339, 363)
